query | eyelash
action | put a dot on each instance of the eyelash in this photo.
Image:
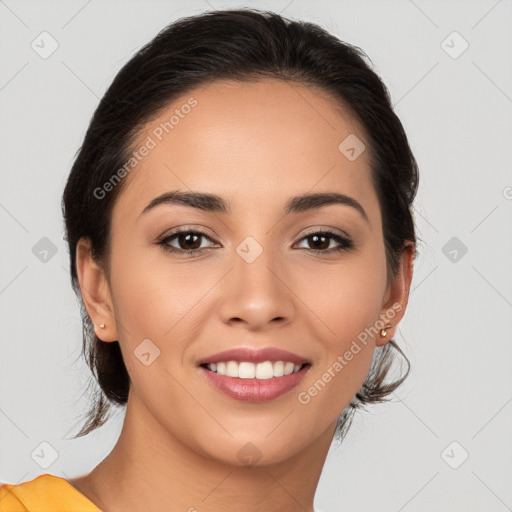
(346, 243)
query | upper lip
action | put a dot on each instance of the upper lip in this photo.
(240, 354)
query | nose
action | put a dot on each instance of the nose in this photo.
(257, 294)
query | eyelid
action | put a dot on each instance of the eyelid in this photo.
(185, 229)
(344, 241)
(316, 229)
(312, 230)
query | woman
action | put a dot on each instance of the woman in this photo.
(241, 237)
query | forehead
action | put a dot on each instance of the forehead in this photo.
(250, 142)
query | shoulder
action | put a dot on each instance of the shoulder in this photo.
(44, 490)
(8, 500)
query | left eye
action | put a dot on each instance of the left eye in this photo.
(184, 238)
(318, 238)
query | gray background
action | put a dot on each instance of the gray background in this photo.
(456, 109)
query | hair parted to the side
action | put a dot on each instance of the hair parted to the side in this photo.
(245, 45)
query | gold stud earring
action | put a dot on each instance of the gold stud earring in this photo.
(102, 326)
(383, 331)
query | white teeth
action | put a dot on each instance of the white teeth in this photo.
(264, 370)
(278, 369)
(232, 369)
(247, 370)
(288, 368)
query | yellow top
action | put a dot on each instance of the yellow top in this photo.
(45, 493)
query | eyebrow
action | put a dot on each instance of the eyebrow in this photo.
(215, 204)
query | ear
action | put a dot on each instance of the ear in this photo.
(95, 291)
(397, 294)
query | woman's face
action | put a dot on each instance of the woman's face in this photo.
(256, 281)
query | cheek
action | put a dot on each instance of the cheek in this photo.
(347, 301)
(345, 355)
(151, 302)
(347, 296)
(156, 299)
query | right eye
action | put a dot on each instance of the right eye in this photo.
(184, 237)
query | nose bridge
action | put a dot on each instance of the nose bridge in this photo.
(254, 292)
(253, 264)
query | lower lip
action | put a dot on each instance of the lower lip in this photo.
(255, 390)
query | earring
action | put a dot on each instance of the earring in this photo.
(101, 326)
(383, 331)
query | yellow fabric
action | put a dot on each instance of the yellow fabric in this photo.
(45, 493)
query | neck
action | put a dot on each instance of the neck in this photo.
(149, 469)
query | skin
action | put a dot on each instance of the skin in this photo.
(254, 144)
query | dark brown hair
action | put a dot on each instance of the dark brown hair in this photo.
(245, 45)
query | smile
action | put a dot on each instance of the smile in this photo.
(248, 370)
(254, 382)
(254, 375)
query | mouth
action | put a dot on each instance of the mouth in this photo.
(249, 370)
(254, 375)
